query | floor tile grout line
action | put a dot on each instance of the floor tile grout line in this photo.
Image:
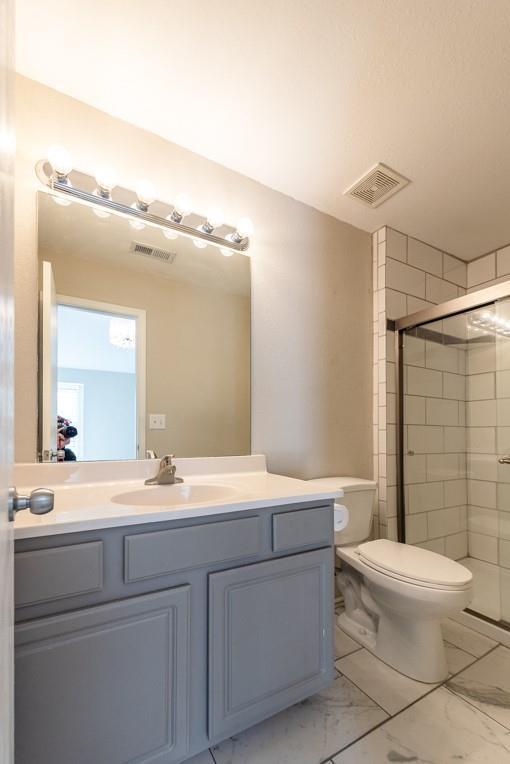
(344, 676)
(437, 687)
(488, 716)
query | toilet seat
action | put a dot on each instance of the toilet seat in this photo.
(414, 565)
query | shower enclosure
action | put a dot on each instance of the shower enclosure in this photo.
(453, 438)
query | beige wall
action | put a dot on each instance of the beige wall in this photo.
(198, 353)
(311, 288)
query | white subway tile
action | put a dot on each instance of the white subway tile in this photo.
(442, 411)
(425, 439)
(482, 493)
(442, 522)
(415, 469)
(416, 528)
(455, 492)
(482, 358)
(504, 557)
(503, 384)
(455, 270)
(454, 386)
(396, 304)
(414, 409)
(444, 467)
(503, 440)
(425, 382)
(442, 357)
(396, 245)
(381, 277)
(434, 545)
(423, 497)
(414, 350)
(414, 304)
(482, 520)
(381, 254)
(503, 262)
(482, 467)
(391, 410)
(481, 270)
(481, 440)
(381, 234)
(503, 496)
(503, 412)
(456, 546)
(455, 439)
(403, 278)
(390, 377)
(423, 256)
(481, 386)
(437, 290)
(481, 413)
(483, 547)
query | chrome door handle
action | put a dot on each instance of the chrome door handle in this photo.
(504, 460)
(40, 501)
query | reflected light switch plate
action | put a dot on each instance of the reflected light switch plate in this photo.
(157, 421)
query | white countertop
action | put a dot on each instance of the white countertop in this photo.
(90, 495)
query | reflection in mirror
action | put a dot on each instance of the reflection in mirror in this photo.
(144, 341)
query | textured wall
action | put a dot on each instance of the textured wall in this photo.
(311, 291)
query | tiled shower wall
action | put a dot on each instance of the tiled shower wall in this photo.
(408, 276)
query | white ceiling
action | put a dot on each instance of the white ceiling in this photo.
(306, 96)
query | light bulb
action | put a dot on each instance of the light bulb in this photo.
(145, 192)
(183, 205)
(60, 160)
(215, 217)
(61, 200)
(199, 243)
(226, 252)
(169, 233)
(100, 213)
(106, 179)
(244, 227)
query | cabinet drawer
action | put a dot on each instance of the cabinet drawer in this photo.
(52, 574)
(156, 554)
(304, 527)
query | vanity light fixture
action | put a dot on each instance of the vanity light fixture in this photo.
(97, 193)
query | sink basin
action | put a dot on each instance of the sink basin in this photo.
(174, 495)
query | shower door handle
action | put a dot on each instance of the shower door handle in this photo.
(504, 460)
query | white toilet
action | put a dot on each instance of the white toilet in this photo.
(395, 594)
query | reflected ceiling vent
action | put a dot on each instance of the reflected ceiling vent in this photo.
(377, 185)
(163, 255)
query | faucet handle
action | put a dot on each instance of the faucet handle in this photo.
(166, 461)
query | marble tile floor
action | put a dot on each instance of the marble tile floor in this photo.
(373, 714)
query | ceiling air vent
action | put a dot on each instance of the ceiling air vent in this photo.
(163, 255)
(377, 185)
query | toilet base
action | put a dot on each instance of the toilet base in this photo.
(413, 648)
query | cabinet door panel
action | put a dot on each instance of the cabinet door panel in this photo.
(270, 638)
(105, 685)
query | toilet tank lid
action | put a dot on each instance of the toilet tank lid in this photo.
(347, 484)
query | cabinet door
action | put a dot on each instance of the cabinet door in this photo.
(105, 685)
(270, 638)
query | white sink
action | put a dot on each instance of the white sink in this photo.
(172, 495)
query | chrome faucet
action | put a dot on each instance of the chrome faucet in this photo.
(166, 473)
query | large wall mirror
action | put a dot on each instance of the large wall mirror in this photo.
(144, 341)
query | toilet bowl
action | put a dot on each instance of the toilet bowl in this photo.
(395, 594)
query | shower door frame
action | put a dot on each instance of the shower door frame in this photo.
(472, 301)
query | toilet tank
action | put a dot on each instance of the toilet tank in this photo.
(359, 498)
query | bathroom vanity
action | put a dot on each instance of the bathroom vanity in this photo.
(146, 632)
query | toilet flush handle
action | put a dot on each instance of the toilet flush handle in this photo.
(504, 460)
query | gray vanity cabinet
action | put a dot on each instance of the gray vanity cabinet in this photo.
(268, 645)
(107, 684)
(151, 642)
